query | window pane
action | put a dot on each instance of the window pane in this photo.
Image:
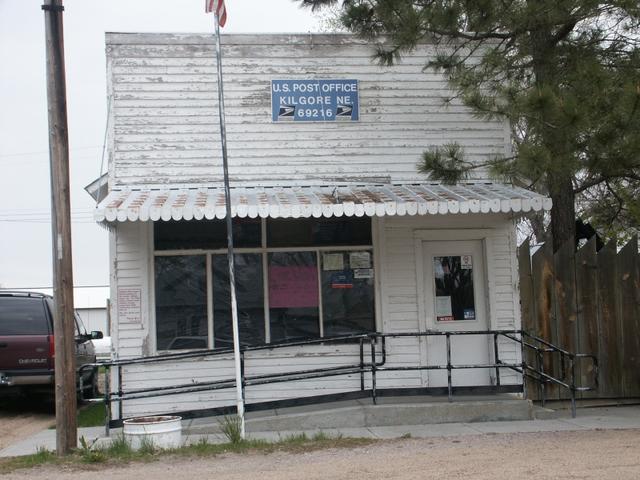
(347, 293)
(249, 295)
(304, 232)
(206, 234)
(454, 288)
(23, 316)
(293, 296)
(181, 302)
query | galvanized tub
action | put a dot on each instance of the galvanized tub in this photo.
(160, 432)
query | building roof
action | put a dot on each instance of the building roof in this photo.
(317, 201)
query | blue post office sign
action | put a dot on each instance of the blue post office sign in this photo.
(314, 100)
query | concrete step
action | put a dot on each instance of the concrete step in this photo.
(359, 414)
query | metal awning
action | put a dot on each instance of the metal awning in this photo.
(317, 201)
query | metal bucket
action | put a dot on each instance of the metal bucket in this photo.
(160, 432)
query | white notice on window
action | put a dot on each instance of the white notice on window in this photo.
(466, 262)
(363, 273)
(359, 260)
(129, 305)
(333, 261)
(443, 308)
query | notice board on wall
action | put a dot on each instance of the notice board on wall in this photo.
(294, 286)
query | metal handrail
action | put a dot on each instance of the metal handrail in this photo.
(543, 378)
(376, 363)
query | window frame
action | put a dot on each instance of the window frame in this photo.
(263, 250)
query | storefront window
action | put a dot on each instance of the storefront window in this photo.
(347, 292)
(293, 296)
(454, 288)
(319, 281)
(249, 295)
(181, 302)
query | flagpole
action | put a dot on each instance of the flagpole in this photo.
(227, 198)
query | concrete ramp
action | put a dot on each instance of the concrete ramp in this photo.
(390, 411)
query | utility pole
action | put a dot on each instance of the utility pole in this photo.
(63, 325)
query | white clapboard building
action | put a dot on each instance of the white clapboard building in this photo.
(336, 232)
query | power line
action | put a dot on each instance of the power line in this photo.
(41, 152)
(50, 287)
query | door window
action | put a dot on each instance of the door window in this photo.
(453, 281)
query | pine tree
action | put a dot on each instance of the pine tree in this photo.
(564, 73)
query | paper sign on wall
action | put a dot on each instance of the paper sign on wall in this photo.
(293, 286)
(129, 305)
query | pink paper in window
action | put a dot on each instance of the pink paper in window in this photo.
(293, 286)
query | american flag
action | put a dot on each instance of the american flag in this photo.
(217, 6)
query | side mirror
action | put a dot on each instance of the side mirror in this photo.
(96, 335)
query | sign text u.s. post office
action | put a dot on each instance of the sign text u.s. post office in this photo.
(314, 100)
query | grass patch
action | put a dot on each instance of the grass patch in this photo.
(91, 415)
(119, 451)
(231, 426)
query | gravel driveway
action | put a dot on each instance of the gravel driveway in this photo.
(596, 454)
(20, 418)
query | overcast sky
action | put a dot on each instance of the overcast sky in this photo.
(25, 231)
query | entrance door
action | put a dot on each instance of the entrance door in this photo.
(455, 301)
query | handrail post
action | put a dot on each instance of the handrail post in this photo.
(449, 386)
(361, 364)
(523, 361)
(242, 376)
(107, 400)
(374, 396)
(120, 393)
(496, 356)
(541, 384)
(573, 387)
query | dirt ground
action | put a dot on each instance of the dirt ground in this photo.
(20, 418)
(602, 455)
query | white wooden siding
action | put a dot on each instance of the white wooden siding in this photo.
(130, 269)
(165, 116)
(397, 296)
(399, 261)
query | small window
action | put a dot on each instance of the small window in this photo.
(453, 276)
(181, 302)
(293, 296)
(206, 234)
(308, 232)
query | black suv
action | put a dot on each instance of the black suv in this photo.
(27, 345)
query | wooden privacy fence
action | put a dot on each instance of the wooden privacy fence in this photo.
(586, 302)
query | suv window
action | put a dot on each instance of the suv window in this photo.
(23, 316)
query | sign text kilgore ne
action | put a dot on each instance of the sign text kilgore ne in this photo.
(314, 100)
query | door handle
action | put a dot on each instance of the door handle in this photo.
(3, 345)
